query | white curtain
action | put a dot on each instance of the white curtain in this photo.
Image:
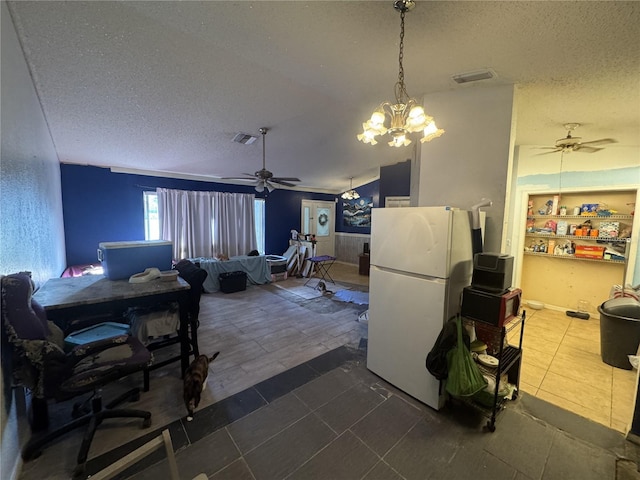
(234, 223)
(206, 224)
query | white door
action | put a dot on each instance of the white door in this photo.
(319, 219)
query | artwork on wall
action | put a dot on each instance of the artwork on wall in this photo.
(357, 213)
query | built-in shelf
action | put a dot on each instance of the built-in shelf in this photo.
(602, 218)
(573, 257)
(579, 237)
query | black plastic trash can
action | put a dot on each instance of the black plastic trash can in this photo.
(619, 331)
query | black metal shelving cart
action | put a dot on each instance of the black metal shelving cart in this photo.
(509, 362)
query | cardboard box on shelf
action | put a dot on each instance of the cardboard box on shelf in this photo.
(589, 251)
(609, 229)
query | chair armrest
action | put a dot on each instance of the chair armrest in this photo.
(91, 348)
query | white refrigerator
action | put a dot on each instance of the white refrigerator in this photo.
(421, 259)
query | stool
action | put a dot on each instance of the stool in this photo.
(321, 265)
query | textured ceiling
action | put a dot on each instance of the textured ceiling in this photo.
(164, 86)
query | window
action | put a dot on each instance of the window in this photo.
(152, 221)
(258, 205)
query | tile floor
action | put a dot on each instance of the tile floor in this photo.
(269, 337)
(562, 365)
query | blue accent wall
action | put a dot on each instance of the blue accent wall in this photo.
(368, 190)
(395, 180)
(102, 206)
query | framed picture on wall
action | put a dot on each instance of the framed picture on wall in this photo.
(357, 213)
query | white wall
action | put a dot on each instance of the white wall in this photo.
(471, 160)
(31, 224)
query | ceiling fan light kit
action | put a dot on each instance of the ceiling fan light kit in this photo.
(264, 178)
(406, 115)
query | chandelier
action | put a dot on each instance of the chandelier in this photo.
(350, 194)
(405, 115)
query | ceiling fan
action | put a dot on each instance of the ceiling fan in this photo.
(574, 144)
(264, 178)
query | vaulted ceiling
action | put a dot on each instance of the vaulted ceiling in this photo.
(164, 86)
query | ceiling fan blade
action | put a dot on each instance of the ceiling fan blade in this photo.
(550, 151)
(280, 181)
(587, 149)
(287, 179)
(602, 141)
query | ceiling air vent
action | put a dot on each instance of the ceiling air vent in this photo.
(244, 138)
(473, 76)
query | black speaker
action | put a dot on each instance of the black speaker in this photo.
(492, 272)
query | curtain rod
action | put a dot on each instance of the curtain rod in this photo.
(145, 186)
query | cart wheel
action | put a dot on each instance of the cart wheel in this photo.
(515, 396)
(491, 427)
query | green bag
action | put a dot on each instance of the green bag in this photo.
(465, 378)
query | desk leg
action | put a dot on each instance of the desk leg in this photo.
(184, 334)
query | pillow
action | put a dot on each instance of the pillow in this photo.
(17, 308)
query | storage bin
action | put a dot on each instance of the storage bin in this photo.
(95, 332)
(232, 281)
(619, 331)
(122, 259)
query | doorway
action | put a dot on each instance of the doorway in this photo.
(319, 218)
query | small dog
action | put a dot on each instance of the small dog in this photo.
(195, 380)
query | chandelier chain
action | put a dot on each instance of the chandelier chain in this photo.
(401, 91)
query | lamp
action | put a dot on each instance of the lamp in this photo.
(405, 115)
(351, 194)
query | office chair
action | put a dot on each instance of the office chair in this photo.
(33, 349)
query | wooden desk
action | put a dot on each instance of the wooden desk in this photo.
(67, 298)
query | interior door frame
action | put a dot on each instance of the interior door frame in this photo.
(328, 247)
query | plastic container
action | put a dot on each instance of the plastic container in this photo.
(619, 331)
(231, 282)
(95, 332)
(122, 259)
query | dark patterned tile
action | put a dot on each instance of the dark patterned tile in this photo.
(237, 470)
(594, 463)
(471, 461)
(222, 413)
(414, 456)
(210, 454)
(522, 442)
(385, 425)
(382, 471)
(284, 453)
(346, 409)
(255, 428)
(285, 382)
(333, 359)
(324, 388)
(345, 457)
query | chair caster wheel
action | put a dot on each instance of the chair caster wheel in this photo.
(491, 427)
(135, 398)
(146, 423)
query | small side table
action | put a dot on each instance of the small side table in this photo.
(363, 264)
